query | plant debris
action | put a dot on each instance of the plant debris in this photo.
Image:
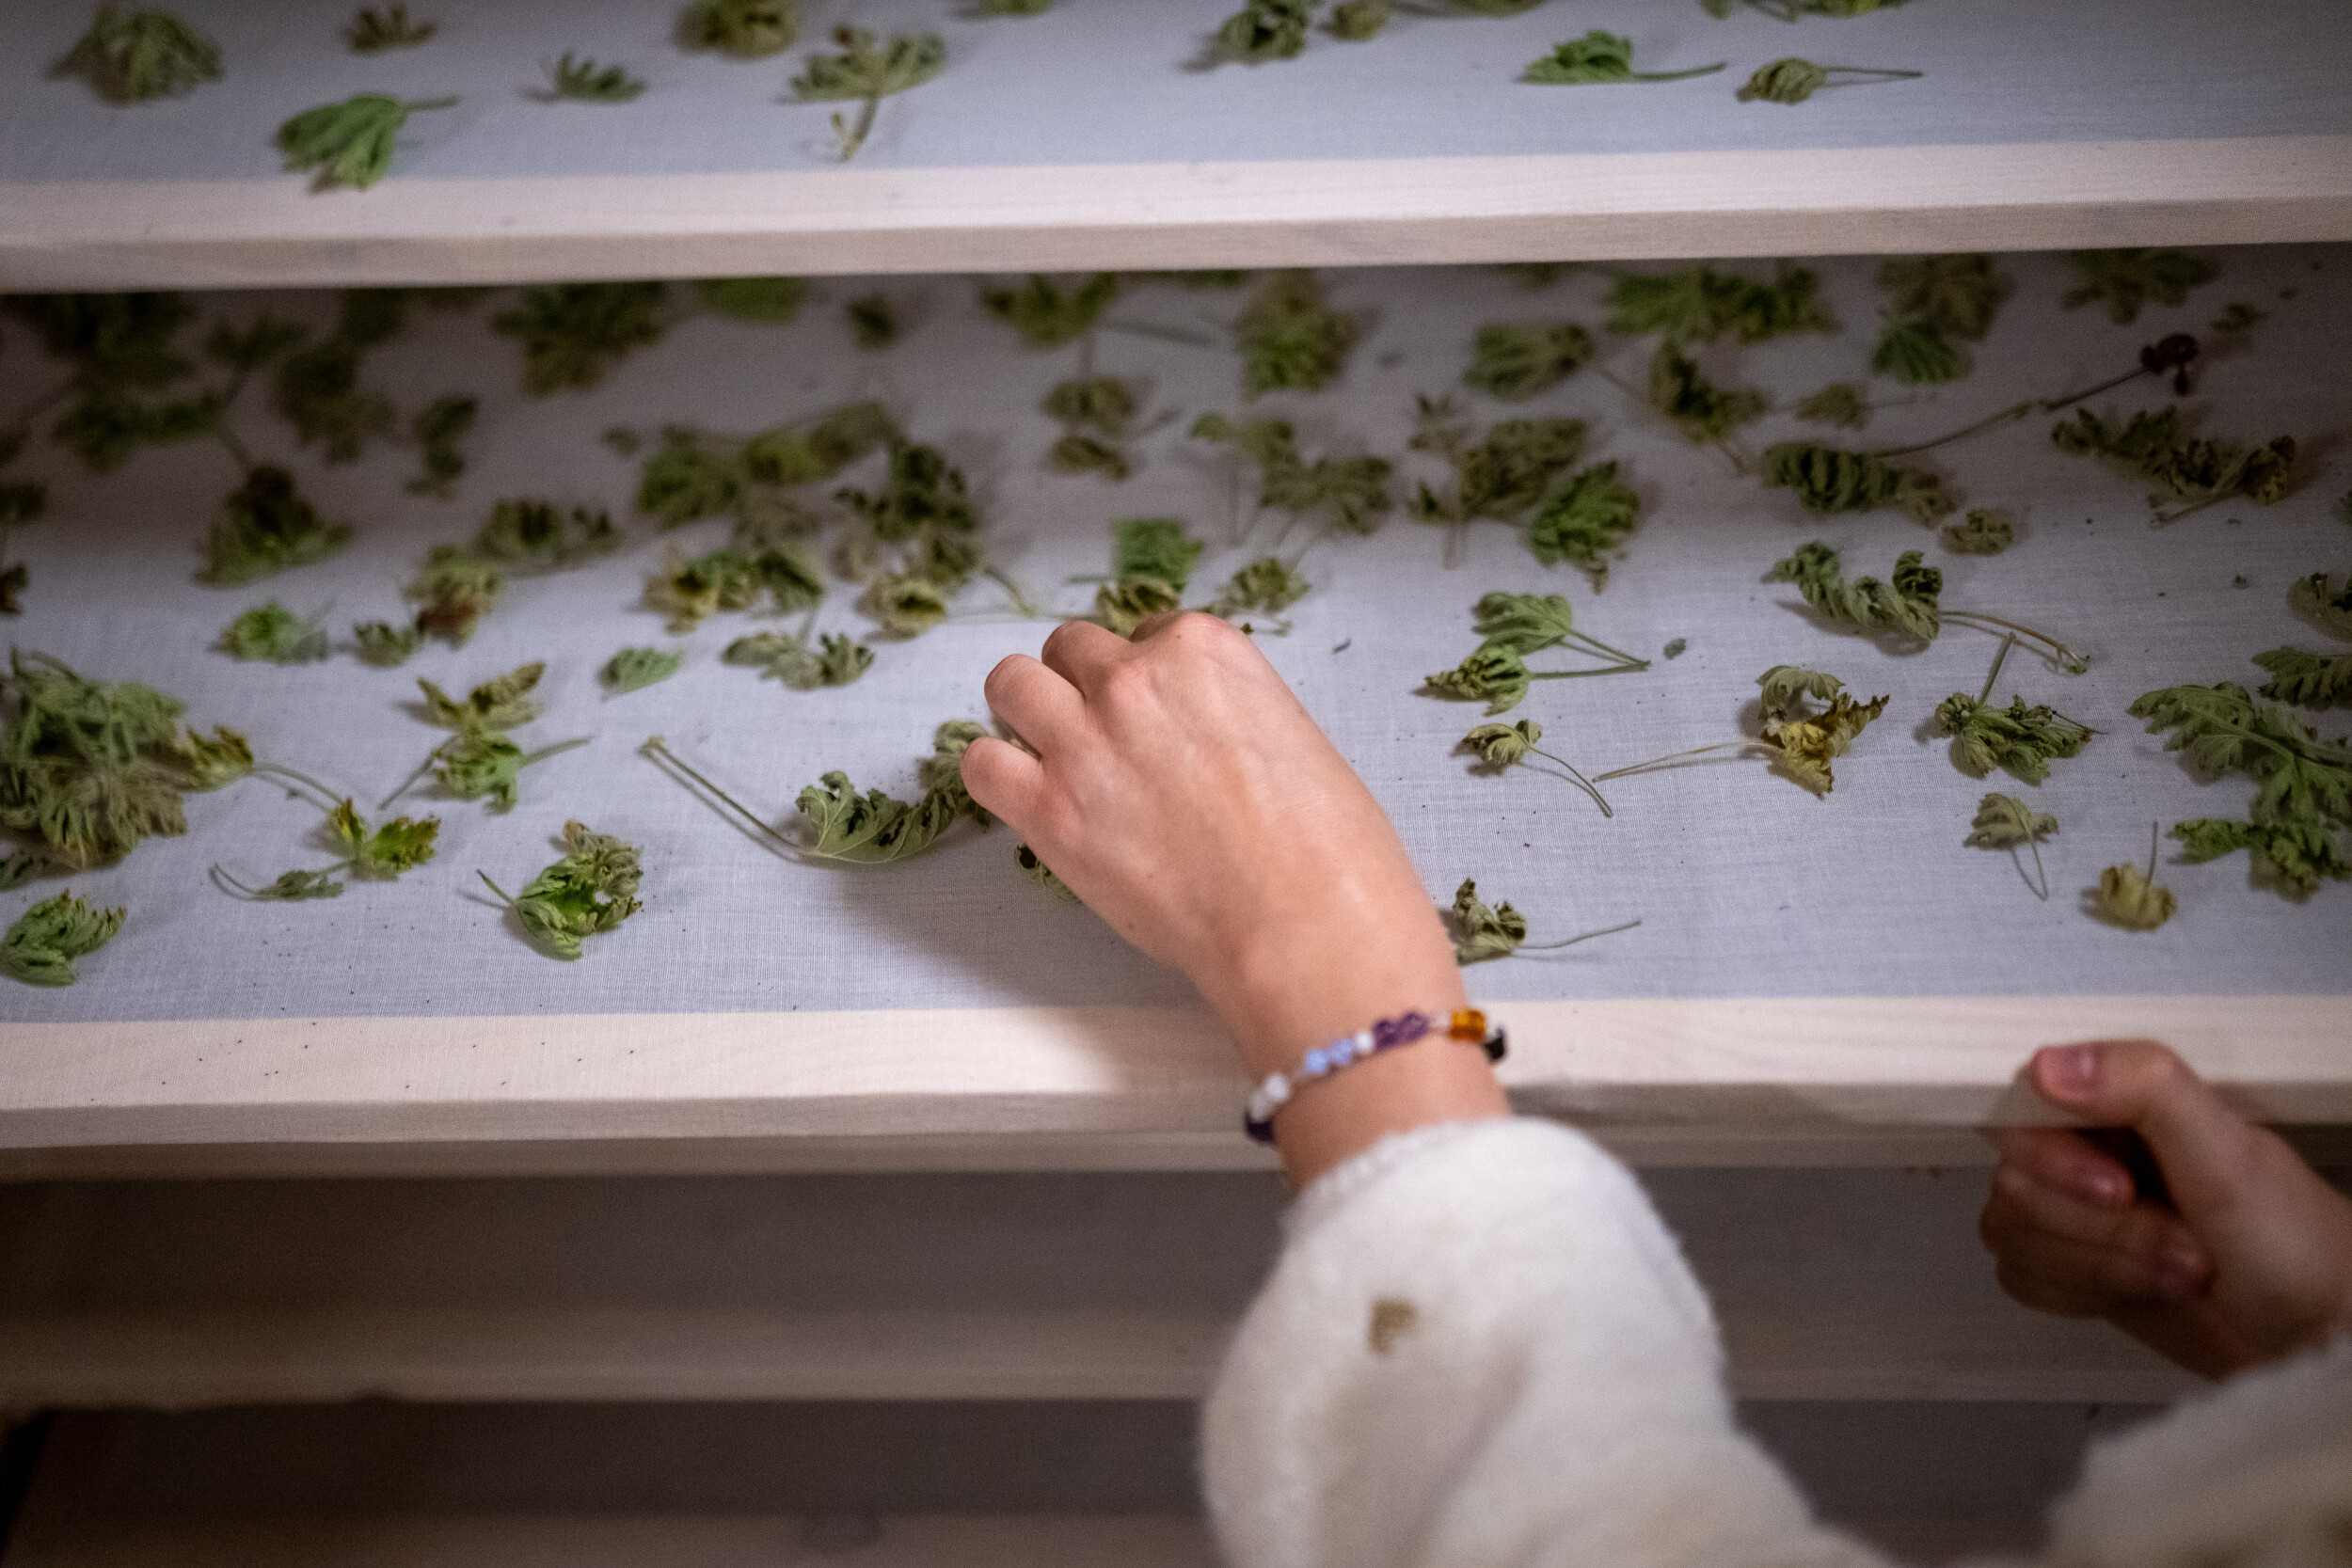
(349, 143)
(861, 70)
(2129, 897)
(130, 56)
(1289, 338)
(1601, 57)
(275, 633)
(2003, 822)
(2123, 282)
(42, 945)
(593, 889)
(634, 669)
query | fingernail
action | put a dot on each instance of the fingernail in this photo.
(2071, 1070)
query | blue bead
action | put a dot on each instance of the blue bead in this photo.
(1314, 1063)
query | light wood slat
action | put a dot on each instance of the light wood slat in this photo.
(188, 1360)
(1746, 1076)
(228, 233)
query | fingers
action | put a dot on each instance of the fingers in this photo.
(1082, 653)
(2064, 1162)
(1004, 780)
(1044, 708)
(2199, 1142)
(2060, 1255)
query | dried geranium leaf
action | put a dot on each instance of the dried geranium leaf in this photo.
(2129, 896)
(770, 301)
(349, 143)
(2303, 779)
(2020, 738)
(593, 889)
(1702, 410)
(528, 535)
(1907, 606)
(437, 428)
(1699, 303)
(2307, 680)
(42, 945)
(583, 81)
(1481, 933)
(1583, 522)
(2123, 281)
(633, 669)
(2003, 822)
(747, 29)
(1045, 313)
(1805, 748)
(1268, 585)
(1042, 873)
(862, 69)
(1782, 684)
(1515, 360)
(270, 526)
(275, 633)
(2294, 856)
(1601, 57)
(132, 55)
(373, 31)
(94, 767)
(385, 646)
(454, 590)
(1980, 532)
(572, 333)
(1289, 339)
(503, 704)
(1828, 482)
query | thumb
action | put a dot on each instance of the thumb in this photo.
(2205, 1148)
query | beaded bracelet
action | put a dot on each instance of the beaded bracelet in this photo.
(1275, 1091)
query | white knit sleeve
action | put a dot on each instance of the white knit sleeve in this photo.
(1481, 1347)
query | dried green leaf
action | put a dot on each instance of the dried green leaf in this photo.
(2293, 855)
(1103, 402)
(1828, 480)
(1958, 295)
(1356, 20)
(1348, 492)
(1498, 746)
(2020, 738)
(528, 535)
(2125, 280)
(582, 82)
(1782, 684)
(1702, 410)
(1916, 353)
(349, 143)
(1908, 605)
(905, 605)
(860, 71)
(1794, 80)
(2319, 601)
(453, 589)
(275, 633)
(1084, 454)
(104, 427)
(23, 503)
(2302, 778)
(373, 31)
(1494, 675)
(634, 669)
(479, 763)
(1268, 585)
(874, 827)
(819, 449)
(2307, 680)
(1599, 58)
(684, 481)
(1042, 873)
(291, 887)
(589, 890)
(1289, 338)
(1045, 313)
(1581, 523)
(381, 853)
(1699, 303)
(572, 333)
(1839, 403)
(42, 945)
(2199, 471)
(1498, 478)
(130, 56)
(2235, 318)
(111, 339)
(94, 767)
(691, 592)
(922, 492)
(2003, 822)
(1515, 360)
(437, 428)
(769, 301)
(1677, 646)
(1010, 7)
(1980, 532)
(496, 706)
(385, 646)
(2129, 897)
(1155, 547)
(837, 661)
(873, 321)
(1481, 933)
(1522, 624)
(1266, 30)
(1804, 748)
(747, 29)
(1123, 605)
(256, 347)
(269, 528)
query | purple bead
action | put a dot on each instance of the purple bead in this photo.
(1315, 1065)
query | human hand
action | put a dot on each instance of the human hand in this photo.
(1183, 791)
(2239, 1255)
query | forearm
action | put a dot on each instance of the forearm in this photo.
(1481, 1346)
